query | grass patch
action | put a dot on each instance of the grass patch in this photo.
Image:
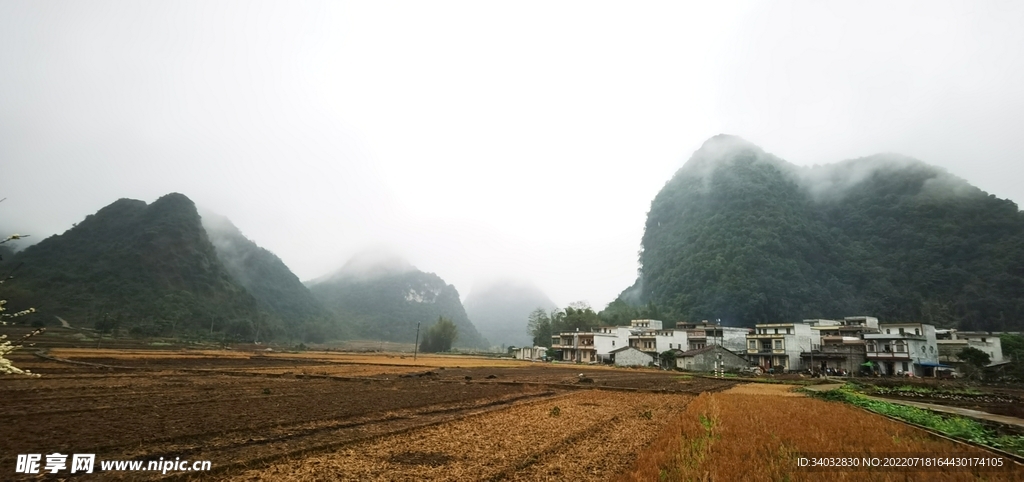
(953, 426)
(923, 390)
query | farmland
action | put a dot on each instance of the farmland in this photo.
(260, 415)
(243, 410)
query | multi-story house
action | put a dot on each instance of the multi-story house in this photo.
(646, 324)
(780, 344)
(655, 341)
(595, 345)
(575, 346)
(903, 348)
(704, 334)
(842, 343)
(951, 342)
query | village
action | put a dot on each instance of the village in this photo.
(855, 345)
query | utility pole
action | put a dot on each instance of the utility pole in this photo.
(416, 349)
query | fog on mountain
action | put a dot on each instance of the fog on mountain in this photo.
(741, 235)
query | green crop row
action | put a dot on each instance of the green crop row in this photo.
(953, 426)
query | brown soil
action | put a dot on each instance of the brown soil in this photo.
(244, 411)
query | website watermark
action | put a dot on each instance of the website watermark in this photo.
(86, 463)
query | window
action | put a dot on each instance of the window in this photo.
(917, 331)
(752, 345)
(901, 347)
(870, 347)
(887, 332)
(984, 340)
(613, 342)
(901, 331)
(776, 331)
(905, 368)
(778, 344)
(787, 331)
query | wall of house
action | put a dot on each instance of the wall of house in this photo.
(632, 358)
(734, 339)
(705, 362)
(671, 339)
(992, 345)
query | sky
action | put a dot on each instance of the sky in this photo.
(480, 140)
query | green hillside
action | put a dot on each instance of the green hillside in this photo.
(152, 266)
(744, 236)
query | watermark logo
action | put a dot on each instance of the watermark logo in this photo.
(85, 463)
(55, 462)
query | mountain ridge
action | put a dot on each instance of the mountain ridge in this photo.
(740, 234)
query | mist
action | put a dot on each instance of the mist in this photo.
(476, 140)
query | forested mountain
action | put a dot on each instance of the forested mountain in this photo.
(385, 298)
(500, 310)
(744, 236)
(151, 266)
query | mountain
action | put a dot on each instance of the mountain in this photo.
(500, 310)
(383, 297)
(741, 235)
(152, 265)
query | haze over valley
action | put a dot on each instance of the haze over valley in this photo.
(324, 171)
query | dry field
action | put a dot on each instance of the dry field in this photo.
(245, 411)
(579, 436)
(757, 433)
(343, 416)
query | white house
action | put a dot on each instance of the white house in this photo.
(591, 346)
(951, 342)
(842, 343)
(903, 347)
(655, 341)
(780, 344)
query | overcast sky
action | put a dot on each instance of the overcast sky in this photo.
(481, 138)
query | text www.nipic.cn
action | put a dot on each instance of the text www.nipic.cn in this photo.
(85, 463)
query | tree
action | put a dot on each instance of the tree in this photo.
(7, 346)
(1013, 348)
(668, 359)
(538, 325)
(579, 316)
(440, 336)
(975, 357)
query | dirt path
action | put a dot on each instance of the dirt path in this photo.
(963, 412)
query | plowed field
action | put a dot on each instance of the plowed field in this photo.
(280, 416)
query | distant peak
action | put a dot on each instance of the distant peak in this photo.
(371, 264)
(722, 144)
(173, 197)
